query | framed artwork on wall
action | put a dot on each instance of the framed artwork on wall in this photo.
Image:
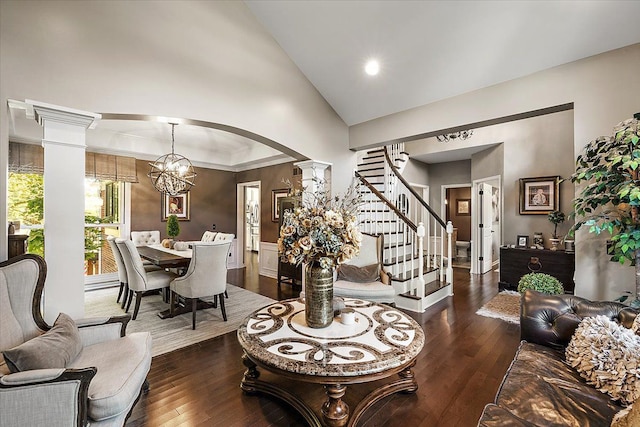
(463, 206)
(178, 205)
(276, 195)
(539, 196)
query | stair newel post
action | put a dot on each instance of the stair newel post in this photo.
(420, 233)
(450, 253)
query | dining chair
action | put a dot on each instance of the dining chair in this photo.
(205, 277)
(146, 238)
(122, 271)
(139, 280)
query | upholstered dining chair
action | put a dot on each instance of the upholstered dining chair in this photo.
(76, 372)
(364, 276)
(205, 277)
(139, 280)
(146, 238)
(122, 271)
(208, 236)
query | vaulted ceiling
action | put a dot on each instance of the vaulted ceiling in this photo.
(427, 50)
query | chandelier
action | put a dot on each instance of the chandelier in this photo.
(172, 173)
(463, 134)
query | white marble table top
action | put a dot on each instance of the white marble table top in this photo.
(382, 338)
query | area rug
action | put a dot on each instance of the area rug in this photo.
(172, 334)
(504, 306)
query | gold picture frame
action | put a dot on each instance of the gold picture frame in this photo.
(276, 195)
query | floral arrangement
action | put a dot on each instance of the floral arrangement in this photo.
(323, 229)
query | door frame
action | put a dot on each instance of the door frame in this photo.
(241, 219)
(475, 219)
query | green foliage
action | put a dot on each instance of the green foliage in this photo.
(610, 200)
(540, 282)
(173, 226)
(26, 204)
(556, 217)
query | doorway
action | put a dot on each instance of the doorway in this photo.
(458, 207)
(486, 224)
(248, 227)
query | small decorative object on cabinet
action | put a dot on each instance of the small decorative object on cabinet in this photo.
(538, 241)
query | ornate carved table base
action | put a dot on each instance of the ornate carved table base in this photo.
(335, 411)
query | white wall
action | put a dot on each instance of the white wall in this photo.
(208, 61)
(604, 89)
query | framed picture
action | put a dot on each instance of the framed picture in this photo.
(539, 196)
(276, 195)
(178, 205)
(463, 206)
(522, 241)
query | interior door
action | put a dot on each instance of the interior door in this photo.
(485, 232)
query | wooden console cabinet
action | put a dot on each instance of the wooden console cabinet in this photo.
(516, 262)
(17, 244)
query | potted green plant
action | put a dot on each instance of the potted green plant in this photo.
(610, 200)
(173, 228)
(555, 217)
(540, 282)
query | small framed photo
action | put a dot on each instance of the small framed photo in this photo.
(178, 205)
(522, 241)
(276, 195)
(539, 196)
(463, 206)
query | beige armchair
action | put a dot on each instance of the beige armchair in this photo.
(139, 279)
(364, 277)
(205, 277)
(87, 372)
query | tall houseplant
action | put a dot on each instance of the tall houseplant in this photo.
(610, 200)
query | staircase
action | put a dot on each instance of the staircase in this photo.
(420, 274)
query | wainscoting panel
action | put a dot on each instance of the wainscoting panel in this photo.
(268, 259)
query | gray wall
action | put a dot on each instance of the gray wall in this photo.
(446, 174)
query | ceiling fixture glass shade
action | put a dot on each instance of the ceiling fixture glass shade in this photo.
(463, 134)
(172, 173)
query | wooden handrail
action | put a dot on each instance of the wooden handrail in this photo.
(386, 201)
(415, 194)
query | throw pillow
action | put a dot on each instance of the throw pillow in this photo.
(54, 349)
(628, 417)
(607, 355)
(366, 274)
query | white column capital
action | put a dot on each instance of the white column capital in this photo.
(312, 165)
(43, 112)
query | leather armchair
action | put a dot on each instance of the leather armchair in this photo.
(98, 387)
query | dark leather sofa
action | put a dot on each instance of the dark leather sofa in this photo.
(539, 388)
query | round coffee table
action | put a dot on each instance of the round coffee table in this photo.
(381, 342)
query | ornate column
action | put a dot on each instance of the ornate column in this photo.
(64, 132)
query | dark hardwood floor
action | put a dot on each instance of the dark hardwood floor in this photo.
(459, 370)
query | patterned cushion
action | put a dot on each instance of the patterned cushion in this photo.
(10, 330)
(607, 355)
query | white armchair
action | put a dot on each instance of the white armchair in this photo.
(205, 277)
(364, 277)
(96, 386)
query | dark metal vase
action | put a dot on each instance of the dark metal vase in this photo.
(318, 296)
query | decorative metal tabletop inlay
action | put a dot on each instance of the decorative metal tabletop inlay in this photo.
(381, 338)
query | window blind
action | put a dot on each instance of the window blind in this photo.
(29, 158)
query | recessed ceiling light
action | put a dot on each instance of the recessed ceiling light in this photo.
(372, 67)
